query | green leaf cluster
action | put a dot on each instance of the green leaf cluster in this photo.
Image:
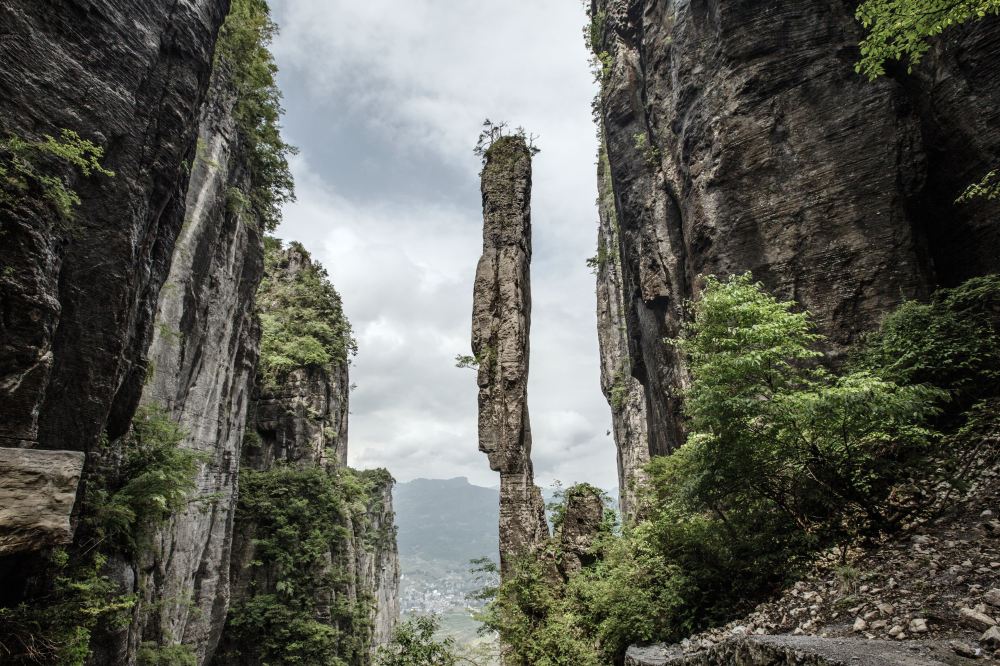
(302, 316)
(41, 168)
(902, 29)
(123, 506)
(56, 626)
(414, 644)
(157, 480)
(243, 50)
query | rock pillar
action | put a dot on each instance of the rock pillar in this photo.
(501, 320)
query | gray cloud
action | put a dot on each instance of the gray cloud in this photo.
(385, 99)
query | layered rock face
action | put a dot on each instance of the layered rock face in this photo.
(624, 393)
(501, 322)
(202, 363)
(739, 139)
(298, 421)
(36, 498)
(79, 296)
(581, 523)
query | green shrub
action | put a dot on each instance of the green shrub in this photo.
(151, 654)
(298, 518)
(414, 644)
(27, 166)
(158, 479)
(243, 49)
(302, 317)
(56, 625)
(950, 342)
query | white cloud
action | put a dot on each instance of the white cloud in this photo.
(418, 77)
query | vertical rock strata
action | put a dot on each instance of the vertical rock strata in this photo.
(623, 391)
(298, 422)
(202, 362)
(739, 138)
(78, 296)
(501, 322)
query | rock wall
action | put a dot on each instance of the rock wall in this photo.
(372, 558)
(299, 419)
(501, 324)
(78, 297)
(624, 393)
(202, 362)
(739, 138)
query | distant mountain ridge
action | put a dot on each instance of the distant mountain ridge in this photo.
(446, 519)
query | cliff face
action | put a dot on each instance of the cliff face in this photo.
(296, 452)
(79, 297)
(202, 362)
(624, 392)
(501, 324)
(739, 139)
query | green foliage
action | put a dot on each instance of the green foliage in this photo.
(123, 507)
(988, 188)
(301, 315)
(497, 141)
(28, 167)
(649, 152)
(538, 624)
(414, 644)
(784, 458)
(243, 49)
(151, 654)
(902, 29)
(466, 361)
(55, 627)
(158, 480)
(299, 517)
(951, 342)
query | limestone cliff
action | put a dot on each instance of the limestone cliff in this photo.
(295, 456)
(501, 323)
(79, 296)
(202, 362)
(624, 393)
(739, 138)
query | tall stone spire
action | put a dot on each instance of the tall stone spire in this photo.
(501, 321)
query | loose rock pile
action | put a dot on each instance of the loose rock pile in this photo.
(939, 582)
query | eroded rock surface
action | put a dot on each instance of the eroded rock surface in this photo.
(37, 494)
(623, 391)
(202, 357)
(739, 138)
(501, 323)
(581, 523)
(79, 295)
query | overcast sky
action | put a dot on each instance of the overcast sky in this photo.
(385, 99)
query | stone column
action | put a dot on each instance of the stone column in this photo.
(501, 320)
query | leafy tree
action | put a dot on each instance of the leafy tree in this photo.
(768, 424)
(414, 644)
